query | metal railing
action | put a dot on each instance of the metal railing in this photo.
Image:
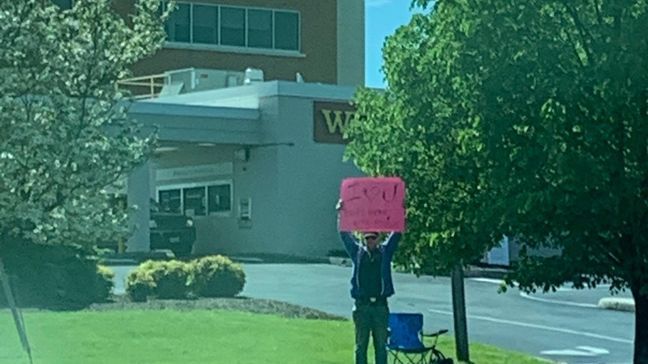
(144, 87)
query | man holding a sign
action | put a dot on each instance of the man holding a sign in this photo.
(371, 206)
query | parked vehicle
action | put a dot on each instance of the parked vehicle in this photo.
(168, 230)
(172, 231)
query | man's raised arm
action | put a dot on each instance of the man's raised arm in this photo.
(392, 242)
(351, 245)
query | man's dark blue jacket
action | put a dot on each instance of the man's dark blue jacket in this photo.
(357, 250)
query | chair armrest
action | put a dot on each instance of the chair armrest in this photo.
(438, 333)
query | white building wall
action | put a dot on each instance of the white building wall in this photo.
(351, 42)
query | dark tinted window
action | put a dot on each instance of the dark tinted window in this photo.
(233, 26)
(260, 28)
(177, 26)
(194, 199)
(205, 24)
(286, 30)
(169, 201)
(220, 198)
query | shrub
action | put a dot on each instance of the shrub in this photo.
(139, 285)
(105, 281)
(217, 276)
(54, 276)
(170, 278)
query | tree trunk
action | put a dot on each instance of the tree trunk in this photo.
(641, 327)
(459, 314)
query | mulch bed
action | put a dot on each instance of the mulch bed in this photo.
(245, 304)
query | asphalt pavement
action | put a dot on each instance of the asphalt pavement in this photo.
(565, 326)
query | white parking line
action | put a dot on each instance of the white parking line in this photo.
(595, 350)
(568, 352)
(539, 327)
(500, 281)
(538, 299)
(581, 351)
(488, 280)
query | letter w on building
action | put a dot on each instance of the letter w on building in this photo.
(339, 121)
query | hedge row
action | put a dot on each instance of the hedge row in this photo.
(215, 276)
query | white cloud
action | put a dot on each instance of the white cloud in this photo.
(377, 3)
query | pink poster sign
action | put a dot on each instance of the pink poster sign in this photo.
(372, 204)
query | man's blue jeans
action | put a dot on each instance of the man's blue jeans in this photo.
(371, 319)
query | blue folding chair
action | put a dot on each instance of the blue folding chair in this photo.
(405, 343)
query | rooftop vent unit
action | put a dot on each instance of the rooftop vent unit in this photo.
(199, 79)
(253, 75)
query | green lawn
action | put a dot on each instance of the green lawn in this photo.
(198, 336)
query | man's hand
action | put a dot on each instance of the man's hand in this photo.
(339, 205)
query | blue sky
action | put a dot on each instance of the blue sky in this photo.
(382, 18)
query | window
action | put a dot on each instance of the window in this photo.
(170, 201)
(194, 201)
(233, 26)
(205, 24)
(63, 4)
(197, 200)
(219, 198)
(260, 28)
(286, 30)
(177, 26)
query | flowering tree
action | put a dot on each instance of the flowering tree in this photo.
(64, 133)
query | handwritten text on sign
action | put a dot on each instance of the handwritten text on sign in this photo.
(372, 204)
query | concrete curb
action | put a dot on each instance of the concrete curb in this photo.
(113, 262)
(247, 260)
(135, 258)
(344, 262)
(279, 259)
(617, 304)
(481, 272)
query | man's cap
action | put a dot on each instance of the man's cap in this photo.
(370, 234)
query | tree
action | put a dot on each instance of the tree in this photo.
(422, 128)
(419, 128)
(570, 128)
(64, 133)
(548, 99)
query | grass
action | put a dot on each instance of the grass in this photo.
(198, 336)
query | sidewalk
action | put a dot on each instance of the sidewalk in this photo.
(134, 258)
